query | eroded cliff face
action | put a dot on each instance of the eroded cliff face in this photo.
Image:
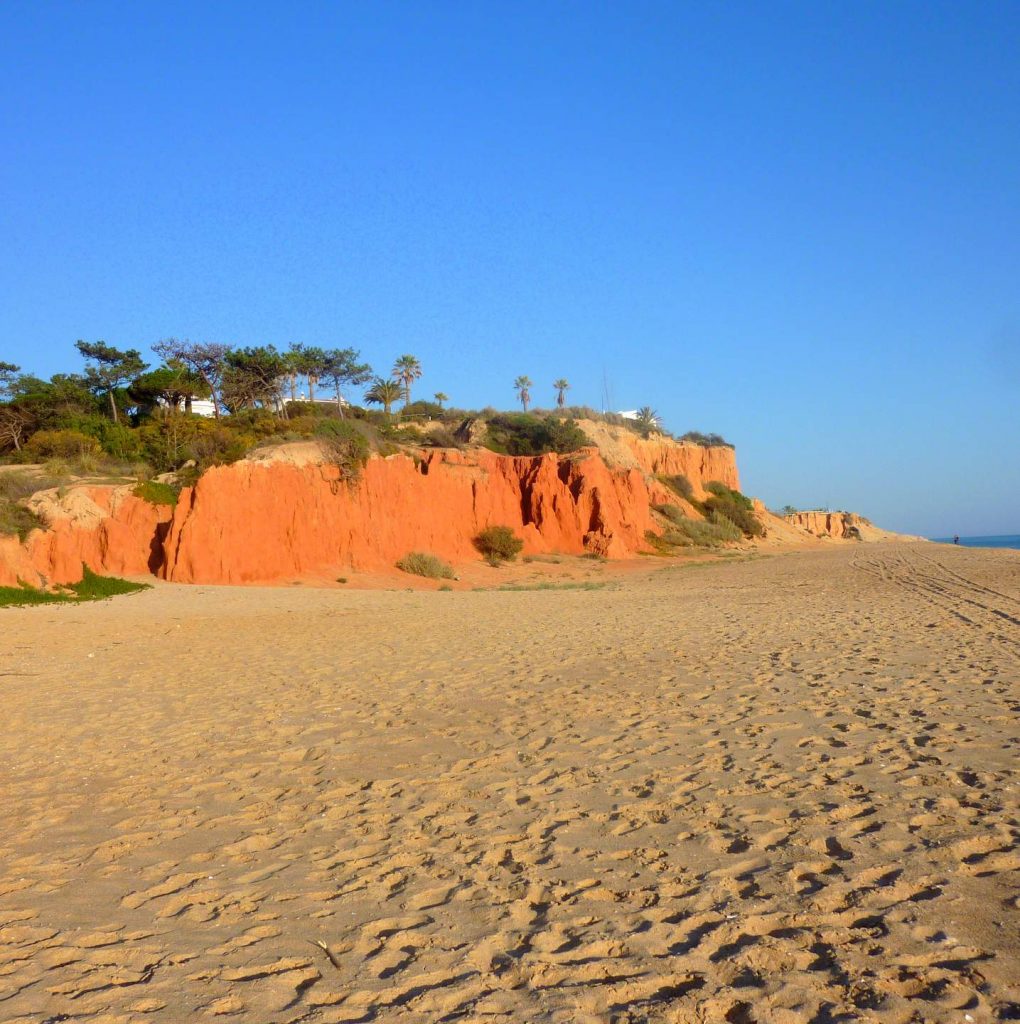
(106, 528)
(660, 455)
(838, 525)
(847, 526)
(256, 522)
(286, 513)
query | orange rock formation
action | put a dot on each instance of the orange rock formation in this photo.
(288, 514)
(106, 528)
(840, 525)
(257, 522)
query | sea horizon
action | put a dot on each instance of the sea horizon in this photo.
(1005, 540)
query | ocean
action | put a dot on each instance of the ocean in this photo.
(1010, 540)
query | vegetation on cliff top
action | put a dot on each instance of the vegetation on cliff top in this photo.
(125, 421)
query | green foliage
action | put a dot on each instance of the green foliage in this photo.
(24, 595)
(406, 370)
(71, 445)
(22, 483)
(345, 444)
(108, 369)
(253, 378)
(524, 433)
(422, 410)
(174, 385)
(156, 493)
(17, 520)
(442, 437)
(98, 588)
(402, 434)
(420, 563)
(736, 507)
(384, 393)
(92, 587)
(705, 440)
(499, 543)
(684, 532)
(680, 485)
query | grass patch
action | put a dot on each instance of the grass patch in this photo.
(680, 485)
(420, 563)
(684, 532)
(734, 506)
(17, 520)
(550, 559)
(156, 493)
(14, 596)
(92, 587)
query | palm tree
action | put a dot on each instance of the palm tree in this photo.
(440, 398)
(384, 393)
(523, 386)
(648, 418)
(407, 370)
(561, 386)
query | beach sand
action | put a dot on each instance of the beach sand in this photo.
(772, 790)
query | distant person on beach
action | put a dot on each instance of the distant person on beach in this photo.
(956, 539)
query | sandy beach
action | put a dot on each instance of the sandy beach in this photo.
(781, 789)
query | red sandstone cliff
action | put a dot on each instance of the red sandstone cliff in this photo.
(285, 513)
(259, 521)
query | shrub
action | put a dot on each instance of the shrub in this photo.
(686, 532)
(681, 485)
(442, 437)
(214, 445)
(734, 506)
(706, 440)
(156, 493)
(24, 483)
(419, 563)
(345, 445)
(499, 544)
(18, 520)
(406, 434)
(72, 445)
(316, 410)
(524, 433)
(423, 411)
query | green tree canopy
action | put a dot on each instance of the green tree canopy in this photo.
(342, 369)
(170, 386)
(253, 378)
(207, 360)
(108, 368)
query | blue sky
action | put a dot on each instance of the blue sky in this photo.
(795, 224)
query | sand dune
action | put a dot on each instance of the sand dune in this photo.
(776, 790)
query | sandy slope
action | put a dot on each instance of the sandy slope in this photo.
(776, 790)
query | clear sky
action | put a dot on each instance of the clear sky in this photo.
(795, 224)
